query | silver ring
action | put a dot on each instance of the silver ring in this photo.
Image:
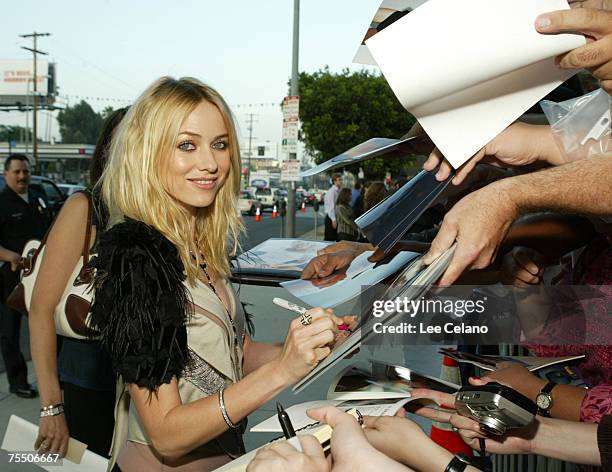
(359, 417)
(456, 430)
(306, 319)
(44, 446)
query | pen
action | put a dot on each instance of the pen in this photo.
(288, 431)
(300, 310)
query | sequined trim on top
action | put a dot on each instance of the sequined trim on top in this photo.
(202, 375)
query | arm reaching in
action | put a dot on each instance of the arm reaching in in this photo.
(480, 221)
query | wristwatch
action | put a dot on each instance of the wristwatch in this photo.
(544, 400)
(52, 410)
(458, 463)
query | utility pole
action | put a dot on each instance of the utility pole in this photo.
(250, 130)
(294, 92)
(35, 51)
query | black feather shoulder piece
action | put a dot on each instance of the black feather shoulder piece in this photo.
(140, 304)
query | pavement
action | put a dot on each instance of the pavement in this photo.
(271, 324)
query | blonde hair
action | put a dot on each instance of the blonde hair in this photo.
(133, 183)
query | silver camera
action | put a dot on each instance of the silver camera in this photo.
(497, 408)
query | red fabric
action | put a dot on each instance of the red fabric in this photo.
(594, 269)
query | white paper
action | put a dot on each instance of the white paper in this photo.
(299, 418)
(466, 70)
(281, 254)
(20, 436)
(359, 274)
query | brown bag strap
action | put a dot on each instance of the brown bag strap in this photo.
(30, 263)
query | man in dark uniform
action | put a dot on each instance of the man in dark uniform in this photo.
(23, 216)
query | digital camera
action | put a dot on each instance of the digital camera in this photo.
(496, 407)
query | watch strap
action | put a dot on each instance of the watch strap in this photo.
(548, 387)
(457, 464)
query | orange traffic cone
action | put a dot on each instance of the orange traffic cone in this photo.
(274, 212)
(303, 209)
(257, 215)
(442, 433)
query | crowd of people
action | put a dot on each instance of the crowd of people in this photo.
(344, 205)
(171, 372)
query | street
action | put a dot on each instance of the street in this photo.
(268, 227)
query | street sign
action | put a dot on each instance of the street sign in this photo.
(291, 107)
(290, 170)
(291, 128)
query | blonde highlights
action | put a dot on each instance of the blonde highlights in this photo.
(133, 184)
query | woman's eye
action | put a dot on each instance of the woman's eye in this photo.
(220, 145)
(186, 146)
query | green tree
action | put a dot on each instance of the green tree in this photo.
(339, 111)
(80, 124)
(16, 133)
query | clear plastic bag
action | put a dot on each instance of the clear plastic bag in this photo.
(581, 126)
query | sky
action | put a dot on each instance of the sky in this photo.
(113, 49)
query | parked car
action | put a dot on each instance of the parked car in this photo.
(69, 189)
(266, 196)
(54, 196)
(247, 203)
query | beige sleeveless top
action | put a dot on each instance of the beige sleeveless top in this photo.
(215, 361)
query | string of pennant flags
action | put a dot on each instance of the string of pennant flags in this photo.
(69, 98)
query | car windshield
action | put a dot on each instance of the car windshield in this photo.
(264, 191)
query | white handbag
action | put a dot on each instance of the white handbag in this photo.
(72, 313)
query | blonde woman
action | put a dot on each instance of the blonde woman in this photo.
(163, 304)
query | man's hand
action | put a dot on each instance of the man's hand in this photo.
(479, 223)
(326, 264)
(518, 145)
(334, 224)
(355, 247)
(596, 25)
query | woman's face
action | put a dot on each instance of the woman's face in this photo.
(200, 162)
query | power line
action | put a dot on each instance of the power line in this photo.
(250, 130)
(96, 66)
(35, 52)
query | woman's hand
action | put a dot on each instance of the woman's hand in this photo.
(351, 451)
(283, 457)
(515, 376)
(522, 267)
(404, 441)
(306, 346)
(53, 435)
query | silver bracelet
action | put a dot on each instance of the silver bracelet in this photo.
(52, 410)
(224, 411)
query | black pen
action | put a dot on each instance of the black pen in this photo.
(288, 431)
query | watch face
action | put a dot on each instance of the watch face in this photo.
(543, 400)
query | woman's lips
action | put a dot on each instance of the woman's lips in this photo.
(204, 184)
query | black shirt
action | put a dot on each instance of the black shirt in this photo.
(20, 222)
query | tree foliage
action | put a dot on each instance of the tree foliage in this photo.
(80, 123)
(339, 111)
(14, 133)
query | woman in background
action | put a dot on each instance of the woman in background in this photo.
(347, 229)
(85, 369)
